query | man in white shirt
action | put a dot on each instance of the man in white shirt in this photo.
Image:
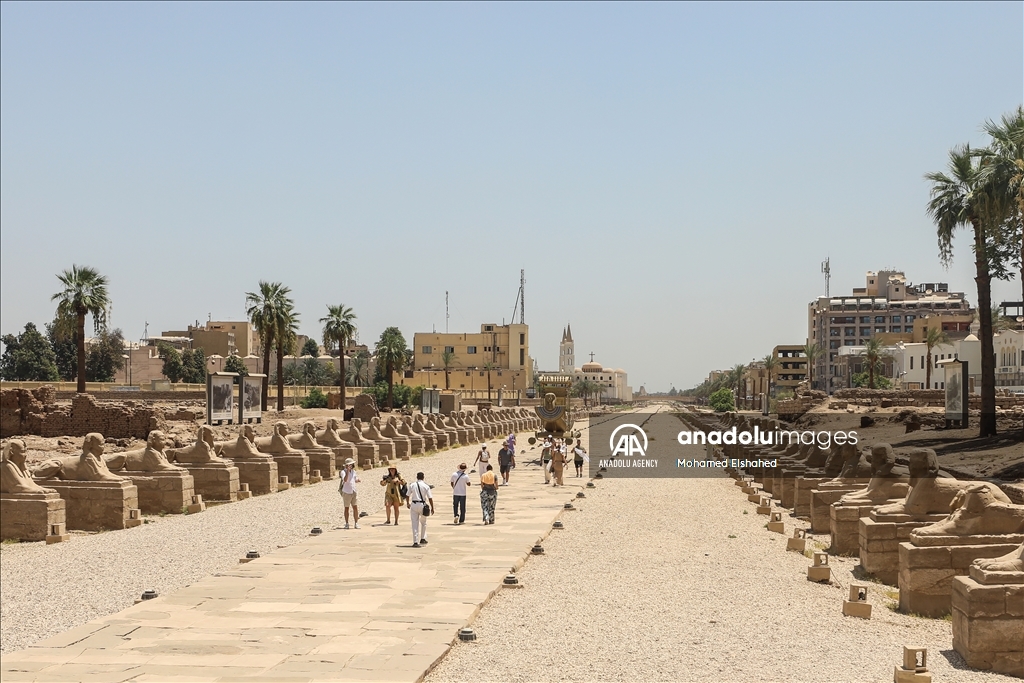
(349, 479)
(460, 480)
(419, 498)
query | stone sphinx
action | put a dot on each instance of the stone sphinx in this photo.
(988, 617)
(929, 493)
(982, 524)
(89, 465)
(28, 512)
(385, 446)
(416, 442)
(402, 444)
(329, 437)
(419, 428)
(278, 443)
(291, 462)
(321, 458)
(888, 482)
(14, 477)
(95, 497)
(1012, 564)
(367, 451)
(149, 459)
(244, 446)
(163, 487)
(202, 451)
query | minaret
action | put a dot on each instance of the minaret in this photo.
(566, 352)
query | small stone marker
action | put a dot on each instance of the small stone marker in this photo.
(58, 534)
(315, 531)
(581, 495)
(282, 483)
(150, 594)
(820, 571)
(197, 504)
(764, 506)
(467, 634)
(244, 492)
(537, 549)
(590, 485)
(134, 518)
(915, 666)
(598, 476)
(568, 506)
(776, 524)
(511, 581)
(314, 477)
(857, 605)
(558, 524)
(249, 557)
(799, 540)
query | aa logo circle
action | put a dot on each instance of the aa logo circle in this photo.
(627, 443)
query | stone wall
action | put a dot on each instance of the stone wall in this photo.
(35, 411)
(918, 397)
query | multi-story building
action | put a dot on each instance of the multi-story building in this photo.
(219, 338)
(497, 356)
(791, 366)
(887, 305)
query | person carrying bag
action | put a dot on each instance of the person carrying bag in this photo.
(420, 504)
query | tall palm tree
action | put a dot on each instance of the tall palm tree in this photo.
(933, 336)
(286, 335)
(339, 329)
(447, 358)
(963, 199)
(391, 351)
(812, 351)
(770, 364)
(736, 378)
(1005, 166)
(263, 309)
(84, 293)
(874, 352)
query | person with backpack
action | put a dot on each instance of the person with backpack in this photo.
(488, 494)
(395, 493)
(347, 487)
(421, 506)
(460, 480)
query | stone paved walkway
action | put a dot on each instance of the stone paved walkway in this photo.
(343, 606)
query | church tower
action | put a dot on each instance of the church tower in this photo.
(566, 352)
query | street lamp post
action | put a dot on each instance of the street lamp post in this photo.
(127, 367)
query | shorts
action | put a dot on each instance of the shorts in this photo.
(578, 463)
(504, 467)
(348, 500)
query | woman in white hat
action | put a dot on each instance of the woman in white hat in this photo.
(349, 479)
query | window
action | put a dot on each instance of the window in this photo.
(428, 349)
(910, 318)
(865, 331)
(865, 319)
(488, 328)
(896, 319)
(850, 332)
(849, 342)
(834, 344)
(896, 328)
(911, 362)
(879, 318)
(834, 332)
(449, 349)
(497, 349)
(879, 330)
(522, 339)
(470, 349)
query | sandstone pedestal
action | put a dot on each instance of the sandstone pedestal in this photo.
(259, 473)
(775, 523)
(243, 488)
(322, 459)
(99, 505)
(167, 491)
(879, 538)
(844, 527)
(926, 572)
(295, 467)
(915, 667)
(802, 489)
(988, 620)
(798, 541)
(819, 571)
(367, 454)
(821, 512)
(32, 516)
(215, 481)
(857, 605)
(343, 452)
(385, 450)
(282, 484)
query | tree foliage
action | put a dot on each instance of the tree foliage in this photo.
(315, 399)
(64, 351)
(193, 366)
(236, 364)
(310, 348)
(28, 357)
(722, 400)
(84, 293)
(106, 357)
(392, 356)
(173, 368)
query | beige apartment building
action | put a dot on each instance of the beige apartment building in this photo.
(887, 306)
(221, 338)
(496, 356)
(791, 366)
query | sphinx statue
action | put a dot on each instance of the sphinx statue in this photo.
(14, 477)
(203, 451)
(929, 493)
(887, 481)
(329, 436)
(149, 459)
(981, 509)
(355, 432)
(277, 443)
(857, 464)
(306, 439)
(1010, 563)
(373, 430)
(88, 466)
(390, 429)
(242, 447)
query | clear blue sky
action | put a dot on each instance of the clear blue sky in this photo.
(670, 176)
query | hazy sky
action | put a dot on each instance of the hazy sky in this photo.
(670, 176)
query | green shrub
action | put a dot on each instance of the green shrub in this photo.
(315, 399)
(721, 401)
(404, 395)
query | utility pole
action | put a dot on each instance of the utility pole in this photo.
(522, 296)
(446, 311)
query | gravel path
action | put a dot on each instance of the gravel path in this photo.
(669, 580)
(46, 590)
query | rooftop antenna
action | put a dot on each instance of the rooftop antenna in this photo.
(520, 304)
(446, 311)
(827, 270)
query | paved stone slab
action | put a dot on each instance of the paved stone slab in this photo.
(355, 605)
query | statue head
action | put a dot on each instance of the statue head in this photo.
(375, 421)
(93, 444)
(923, 463)
(332, 424)
(310, 429)
(15, 450)
(247, 432)
(549, 401)
(882, 458)
(357, 423)
(392, 420)
(281, 429)
(156, 440)
(206, 434)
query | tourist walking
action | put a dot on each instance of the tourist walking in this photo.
(506, 461)
(421, 506)
(395, 491)
(558, 462)
(349, 479)
(488, 494)
(545, 457)
(579, 454)
(459, 482)
(483, 457)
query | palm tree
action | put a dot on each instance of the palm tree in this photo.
(770, 363)
(263, 310)
(1005, 167)
(812, 351)
(874, 352)
(447, 358)
(736, 378)
(963, 198)
(1001, 323)
(339, 329)
(286, 335)
(84, 293)
(391, 351)
(933, 336)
